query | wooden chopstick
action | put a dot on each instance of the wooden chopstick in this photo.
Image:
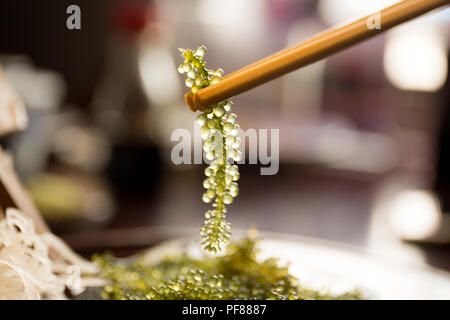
(310, 51)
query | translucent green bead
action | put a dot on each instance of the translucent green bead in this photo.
(215, 80)
(227, 199)
(189, 82)
(227, 127)
(228, 179)
(234, 192)
(201, 119)
(212, 123)
(206, 184)
(211, 193)
(208, 110)
(205, 198)
(237, 155)
(233, 170)
(232, 118)
(219, 111)
(219, 73)
(208, 145)
(195, 89)
(198, 81)
(180, 68)
(204, 132)
(229, 140)
(228, 106)
(187, 67)
(210, 155)
(192, 74)
(208, 171)
(236, 177)
(200, 52)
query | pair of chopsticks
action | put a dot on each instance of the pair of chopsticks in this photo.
(310, 51)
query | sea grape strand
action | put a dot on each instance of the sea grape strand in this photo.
(235, 275)
(219, 131)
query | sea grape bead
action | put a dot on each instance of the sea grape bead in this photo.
(237, 155)
(227, 199)
(211, 123)
(211, 193)
(229, 140)
(219, 111)
(228, 179)
(191, 74)
(219, 72)
(200, 52)
(207, 110)
(187, 67)
(228, 106)
(201, 119)
(234, 187)
(205, 198)
(210, 155)
(189, 82)
(198, 81)
(227, 127)
(208, 171)
(204, 132)
(208, 145)
(215, 80)
(233, 170)
(195, 89)
(232, 118)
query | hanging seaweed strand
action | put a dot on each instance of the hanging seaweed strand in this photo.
(221, 146)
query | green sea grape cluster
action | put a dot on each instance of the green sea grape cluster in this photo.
(219, 130)
(235, 275)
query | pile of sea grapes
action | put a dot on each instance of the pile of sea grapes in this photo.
(221, 146)
(235, 275)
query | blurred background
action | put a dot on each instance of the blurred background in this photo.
(364, 135)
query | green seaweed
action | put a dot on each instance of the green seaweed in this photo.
(235, 275)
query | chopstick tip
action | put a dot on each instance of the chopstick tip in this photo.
(190, 101)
